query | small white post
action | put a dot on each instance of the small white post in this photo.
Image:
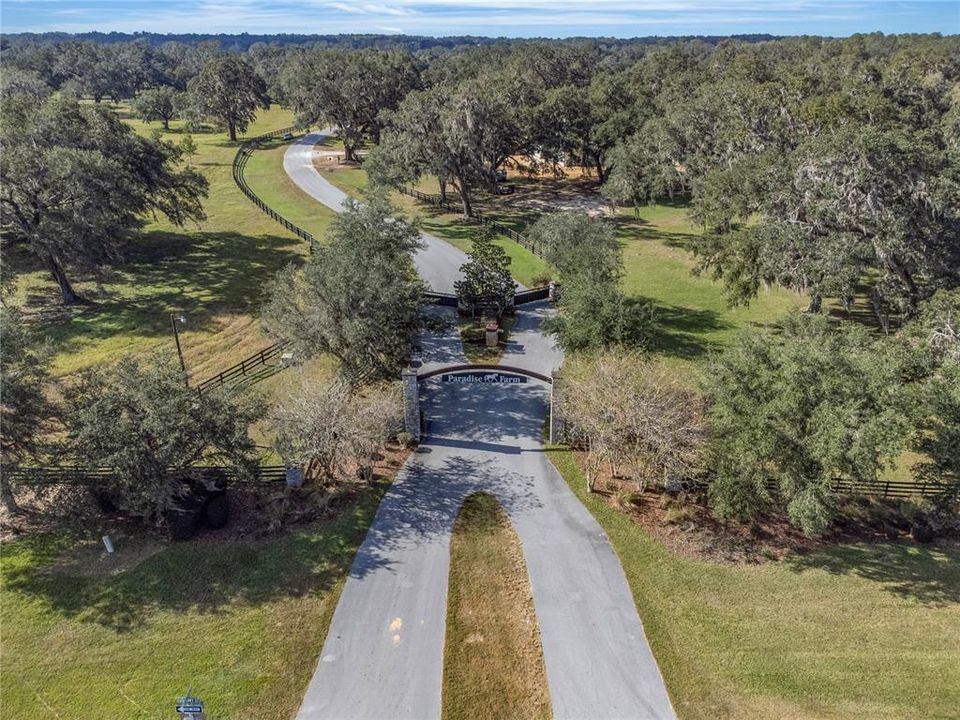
(108, 544)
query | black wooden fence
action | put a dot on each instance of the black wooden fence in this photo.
(445, 299)
(479, 218)
(76, 476)
(242, 369)
(531, 295)
(239, 164)
(70, 475)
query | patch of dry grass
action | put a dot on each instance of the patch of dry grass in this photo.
(493, 661)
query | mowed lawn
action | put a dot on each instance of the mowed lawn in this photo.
(241, 621)
(214, 272)
(867, 630)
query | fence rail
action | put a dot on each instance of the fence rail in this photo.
(239, 164)
(479, 218)
(438, 298)
(71, 475)
(242, 368)
(531, 295)
(881, 488)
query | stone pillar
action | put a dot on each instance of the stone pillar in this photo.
(411, 403)
(552, 291)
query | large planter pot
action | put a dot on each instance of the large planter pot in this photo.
(216, 510)
(182, 524)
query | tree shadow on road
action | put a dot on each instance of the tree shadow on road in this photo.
(421, 507)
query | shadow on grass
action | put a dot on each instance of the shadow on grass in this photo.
(200, 274)
(679, 331)
(928, 575)
(199, 576)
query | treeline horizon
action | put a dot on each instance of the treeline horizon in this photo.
(241, 42)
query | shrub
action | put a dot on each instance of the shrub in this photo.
(631, 414)
(334, 432)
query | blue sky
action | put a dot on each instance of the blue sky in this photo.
(513, 18)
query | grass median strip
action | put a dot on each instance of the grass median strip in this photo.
(493, 662)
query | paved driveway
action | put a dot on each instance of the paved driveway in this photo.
(384, 651)
(383, 654)
(438, 263)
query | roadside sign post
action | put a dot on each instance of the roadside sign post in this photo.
(190, 707)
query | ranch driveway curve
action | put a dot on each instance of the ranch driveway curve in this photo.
(383, 653)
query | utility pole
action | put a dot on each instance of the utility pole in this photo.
(174, 319)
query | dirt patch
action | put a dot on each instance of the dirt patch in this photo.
(327, 160)
(48, 508)
(90, 559)
(545, 195)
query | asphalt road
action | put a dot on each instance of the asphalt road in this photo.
(384, 651)
(438, 262)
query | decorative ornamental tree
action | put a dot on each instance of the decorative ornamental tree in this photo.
(487, 284)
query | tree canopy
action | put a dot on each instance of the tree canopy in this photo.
(348, 89)
(357, 297)
(593, 311)
(77, 182)
(802, 408)
(139, 419)
(228, 90)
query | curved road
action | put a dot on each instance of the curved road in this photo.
(438, 263)
(383, 654)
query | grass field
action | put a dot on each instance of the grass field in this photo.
(213, 272)
(693, 315)
(857, 631)
(242, 621)
(492, 661)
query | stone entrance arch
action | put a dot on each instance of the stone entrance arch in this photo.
(413, 420)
